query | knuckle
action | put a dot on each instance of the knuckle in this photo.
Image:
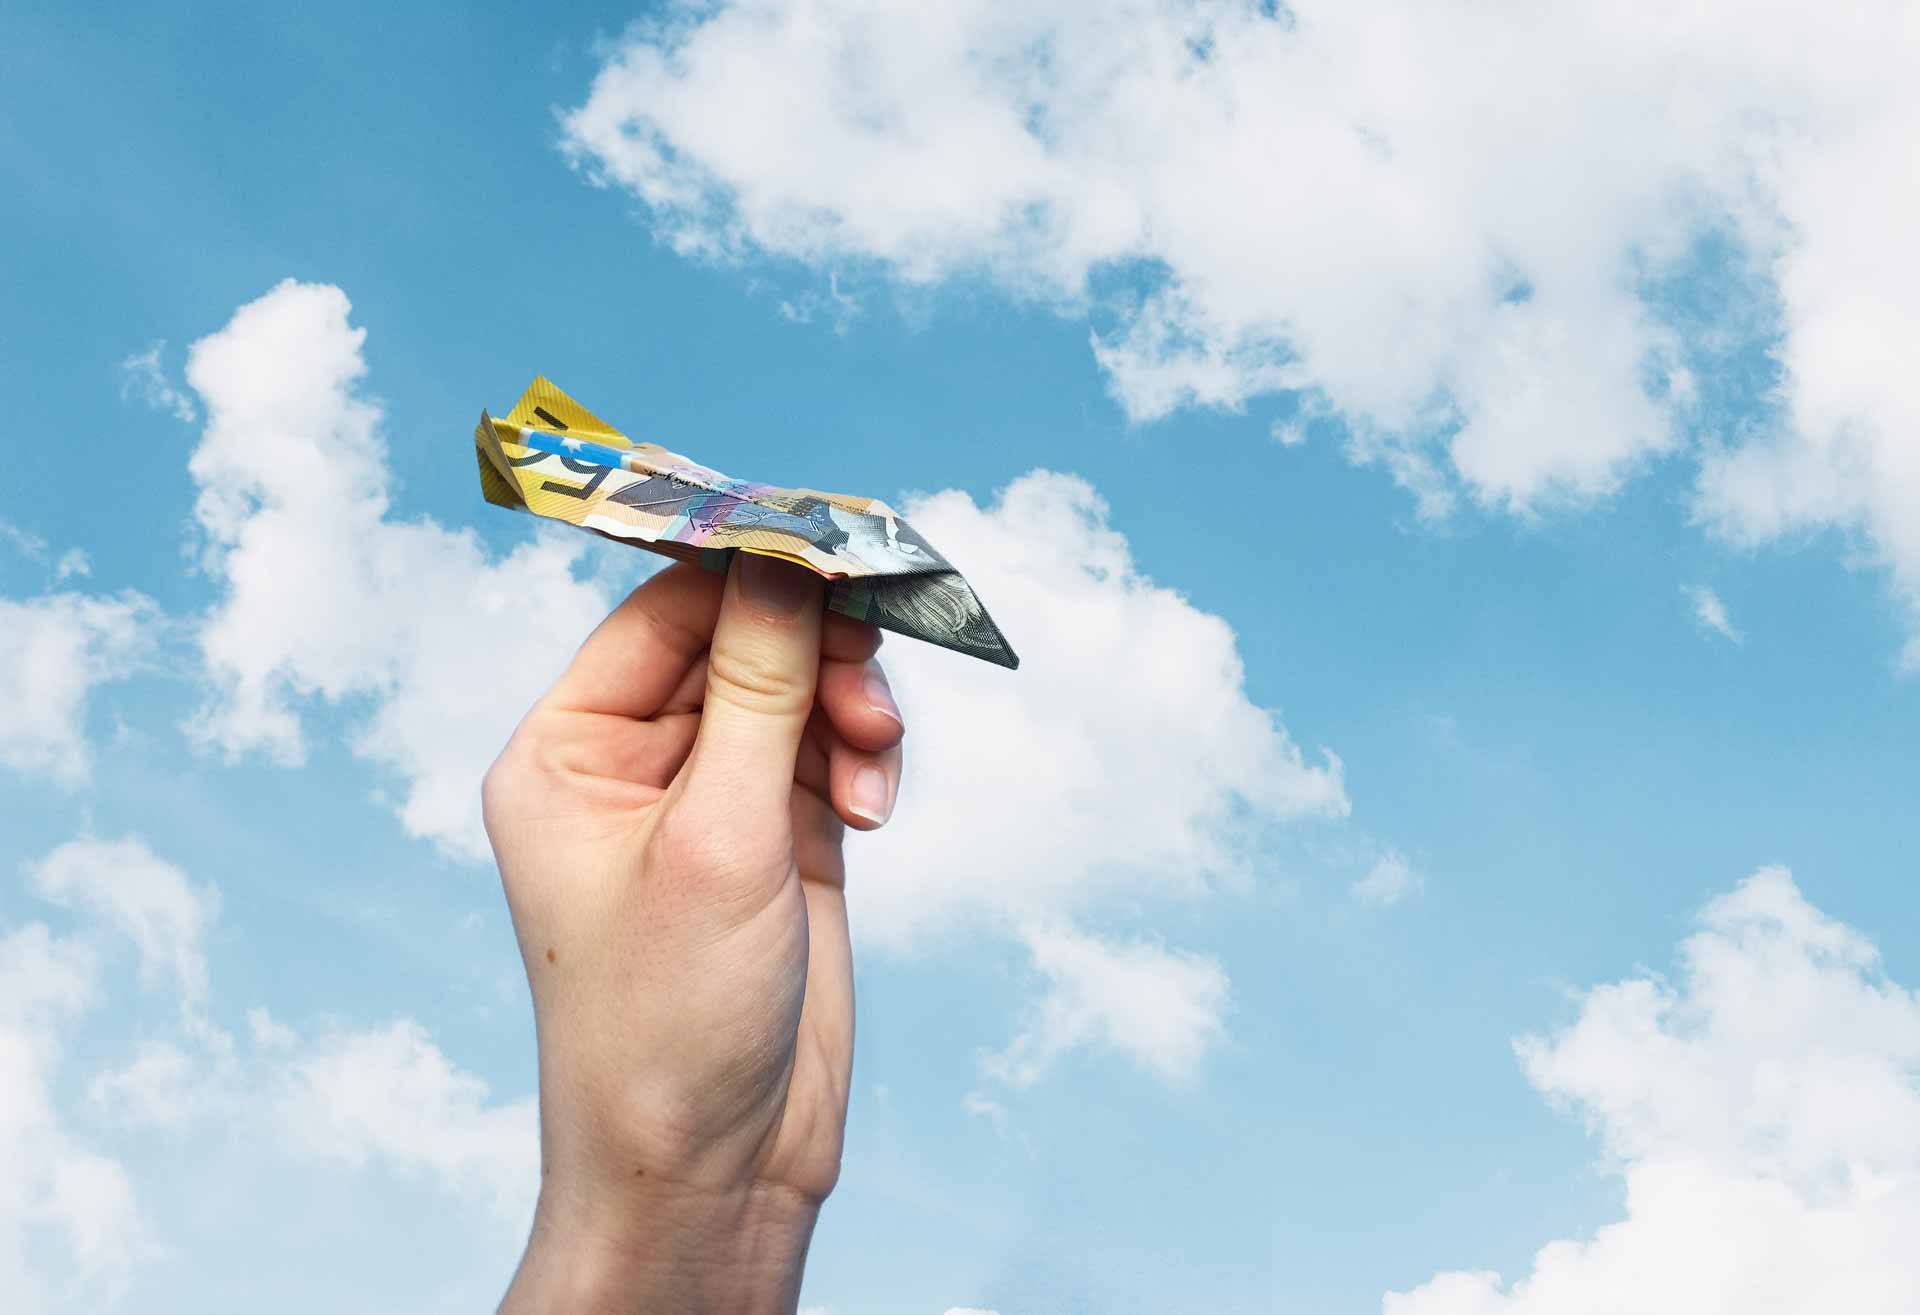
(711, 855)
(497, 789)
(682, 847)
(759, 685)
(531, 756)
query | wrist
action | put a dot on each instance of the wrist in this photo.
(665, 1249)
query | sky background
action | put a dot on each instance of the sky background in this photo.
(1476, 569)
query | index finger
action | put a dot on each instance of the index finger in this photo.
(635, 659)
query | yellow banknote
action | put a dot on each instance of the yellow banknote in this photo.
(551, 456)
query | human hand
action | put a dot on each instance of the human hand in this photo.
(668, 824)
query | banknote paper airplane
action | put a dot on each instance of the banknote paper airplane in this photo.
(553, 457)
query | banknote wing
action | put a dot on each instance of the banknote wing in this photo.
(939, 607)
(546, 406)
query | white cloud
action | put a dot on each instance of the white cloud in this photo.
(76, 1224)
(25, 542)
(143, 379)
(1288, 433)
(1711, 613)
(327, 597)
(125, 886)
(57, 649)
(72, 562)
(1764, 1115)
(1136, 765)
(1459, 229)
(69, 1225)
(1162, 1009)
(985, 1107)
(1390, 880)
(269, 1034)
(163, 1086)
(382, 1096)
(835, 306)
(389, 1093)
(1137, 762)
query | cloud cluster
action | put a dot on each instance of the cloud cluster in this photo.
(143, 379)
(124, 886)
(388, 1093)
(1124, 762)
(68, 1223)
(1512, 249)
(1124, 759)
(329, 598)
(76, 1222)
(1158, 1007)
(57, 649)
(60, 1186)
(1763, 1113)
(72, 562)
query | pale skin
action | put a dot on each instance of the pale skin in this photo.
(668, 822)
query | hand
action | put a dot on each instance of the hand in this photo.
(668, 823)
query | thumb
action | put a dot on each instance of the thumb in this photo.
(761, 671)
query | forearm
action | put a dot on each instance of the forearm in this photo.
(739, 1253)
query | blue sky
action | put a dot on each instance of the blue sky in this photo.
(1493, 633)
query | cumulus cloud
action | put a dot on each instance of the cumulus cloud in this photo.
(76, 1224)
(162, 1086)
(73, 562)
(383, 1096)
(1390, 880)
(126, 886)
(1160, 1008)
(1711, 613)
(1035, 806)
(143, 379)
(1505, 247)
(69, 1225)
(57, 649)
(327, 597)
(25, 542)
(389, 1093)
(1763, 1113)
(1137, 764)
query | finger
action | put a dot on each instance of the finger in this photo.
(856, 698)
(634, 660)
(810, 768)
(827, 1013)
(844, 639)
(862, 785)
(690, 693)
(762, 668)
(857, 695)
(598, 748)
(817, 833)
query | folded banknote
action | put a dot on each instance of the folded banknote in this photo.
(553, 457)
